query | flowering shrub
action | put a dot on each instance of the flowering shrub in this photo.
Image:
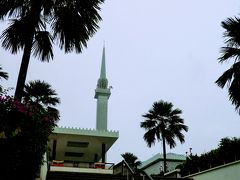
(24, 131)
(10, 114)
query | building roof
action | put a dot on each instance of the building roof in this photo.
(86, 132)
(80, 145)
(158, 157)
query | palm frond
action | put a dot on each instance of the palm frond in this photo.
(40, 92)
(231, 77)
(175, 112)
(150, 137)
(148, 124)
(75, 22)
(138, 163)
(229, 52)
(163, 108)
(11, 8)
(184, 127)
(169, 137)
(3, 74)
(132, 160)
(150, 115)
(176, 119)
(180, 136)
(234, 93)
(232, 33)
(42, 45)
(53, 113)
(225, 78)
(234, 87)
(129, 157)
(13, 38)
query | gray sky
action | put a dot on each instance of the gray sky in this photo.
(154, 50)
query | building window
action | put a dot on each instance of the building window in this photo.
(77, 144)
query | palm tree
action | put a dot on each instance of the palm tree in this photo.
(3, 75)
(163, 123)
(41, 94)
(36, 25)
(231, 77)
(132, 160)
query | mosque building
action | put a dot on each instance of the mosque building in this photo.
(84, 150)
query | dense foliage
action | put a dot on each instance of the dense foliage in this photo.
(227, 151)
(24, 130)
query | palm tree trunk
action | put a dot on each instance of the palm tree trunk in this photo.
(164, 155)
(32, 19)
(23, 70)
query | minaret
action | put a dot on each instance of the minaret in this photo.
(102, 93)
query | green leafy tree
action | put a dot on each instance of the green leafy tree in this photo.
(231, 77)
(163, 123)
(132, 160)
(227, 151)
(36, 25)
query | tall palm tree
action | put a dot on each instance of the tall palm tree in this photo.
(41, 94)
(132, 160)
(3, 75)
(163, 123)
(231, 77)
(35, 25)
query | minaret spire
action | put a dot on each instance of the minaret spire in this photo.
(102, 81)
(103, 66)
(102, 93)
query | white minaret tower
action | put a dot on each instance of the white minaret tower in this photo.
(102, 93)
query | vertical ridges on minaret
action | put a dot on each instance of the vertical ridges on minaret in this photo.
(102, 93)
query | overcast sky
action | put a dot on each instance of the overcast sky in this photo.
(155, 50)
